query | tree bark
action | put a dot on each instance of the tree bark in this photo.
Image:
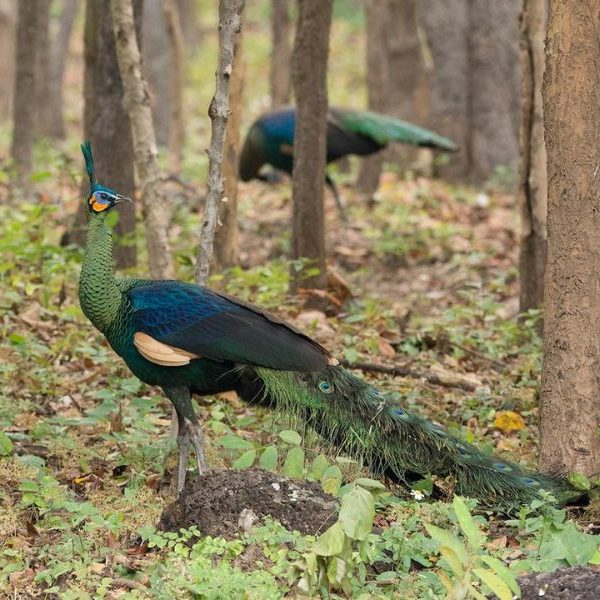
(59, 48)
(226, 238)
(43, 115)
(281, 53)
(309, 80)
(137, 99)
(533, 185)
(176, 128)
(7, 57)
(190, 23)
(24, 106)
(569, 407)
(378, 76)
(230, 25)
(106, 123)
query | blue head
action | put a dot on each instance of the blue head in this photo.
(101, 199)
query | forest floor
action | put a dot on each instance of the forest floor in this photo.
(426, 280)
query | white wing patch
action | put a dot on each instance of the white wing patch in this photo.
(159, 353)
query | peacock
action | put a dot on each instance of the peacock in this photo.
(188, 339)
(270, 140)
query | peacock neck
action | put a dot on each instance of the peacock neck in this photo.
(99, 296)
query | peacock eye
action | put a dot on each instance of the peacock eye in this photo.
(325, 387)
(104, 196)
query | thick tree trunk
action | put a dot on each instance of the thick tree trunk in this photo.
(281, 53)
(106, 123)
(226, 238)
(533, 185)
(55, 124)
(7, 57)
(570, 411)
(190, 23)
(495, 86)
(378, 77)
(24, 106)
(230, 26)
(157, 67)
(176, 128)
(137, 100)
(43, 114)
(309, 80)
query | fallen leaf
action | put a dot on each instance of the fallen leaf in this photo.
(509, 421)
(385, 348)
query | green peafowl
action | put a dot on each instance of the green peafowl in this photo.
(188, 339)
(270, 140)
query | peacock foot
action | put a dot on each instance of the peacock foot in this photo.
(189, 434)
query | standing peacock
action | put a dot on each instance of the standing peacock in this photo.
(270, 140)
(188, 339)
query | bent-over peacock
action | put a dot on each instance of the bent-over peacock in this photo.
(270, 139)
(189, 340)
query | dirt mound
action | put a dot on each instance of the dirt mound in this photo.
(576, 583)
(226, 503)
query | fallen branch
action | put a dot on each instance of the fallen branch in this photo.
(398, 371)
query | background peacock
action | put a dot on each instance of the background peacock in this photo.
(270, 140)
(188, 339)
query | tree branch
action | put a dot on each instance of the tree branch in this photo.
(230, 24)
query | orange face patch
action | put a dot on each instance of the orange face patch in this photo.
(95, 205)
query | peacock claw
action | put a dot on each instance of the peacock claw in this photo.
(189, 434)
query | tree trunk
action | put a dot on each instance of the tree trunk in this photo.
(25, 100)
(190, 23)
(176, 128)
(106, 123)
(137, 99)
(43, 115)
(378, 77)
(157, 67)
(533, 185)
(226, 239)
(309, 80)
(494, 87)
(7, 57)
(230, 26)
(281, 53)
(569, 407)
(55, 124)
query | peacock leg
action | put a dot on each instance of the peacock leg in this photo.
(338, 199)
(189, 433)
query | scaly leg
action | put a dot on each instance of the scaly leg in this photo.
(189, 433)
(338, 199)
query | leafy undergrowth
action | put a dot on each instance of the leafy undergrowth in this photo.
(87, 456)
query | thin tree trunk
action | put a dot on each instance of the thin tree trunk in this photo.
(226, 238)
(533, 185)
(106, 122)
(176, 128)
(230, 25)
(281, 53)
(190, 23)
(309, 80)
(137, 100)
(55, 126)
(43, 114)
(7, 57)
(24, 106)
(378, 76)
(569, 407)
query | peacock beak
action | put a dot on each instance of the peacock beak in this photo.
(119, 199)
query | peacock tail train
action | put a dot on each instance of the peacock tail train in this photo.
(359, 421)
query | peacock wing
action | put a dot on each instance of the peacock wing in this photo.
(193, 321)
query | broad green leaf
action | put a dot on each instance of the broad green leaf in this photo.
(290, 437)
(331, 542)
(293, 466)
(245, 461)
(336, 570)
(357, 513)
(466, 522)
(444, 538)
(580, 481)
(453, 561)
(319, 466)
(370, 484)
(6, 445)
(234, 442)
(503, 572)
(495, 584)
(595, 560)
(268, 458)
(332, 480)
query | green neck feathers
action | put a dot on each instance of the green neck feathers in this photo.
(99, 295)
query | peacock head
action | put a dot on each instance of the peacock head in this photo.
(101, 199)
